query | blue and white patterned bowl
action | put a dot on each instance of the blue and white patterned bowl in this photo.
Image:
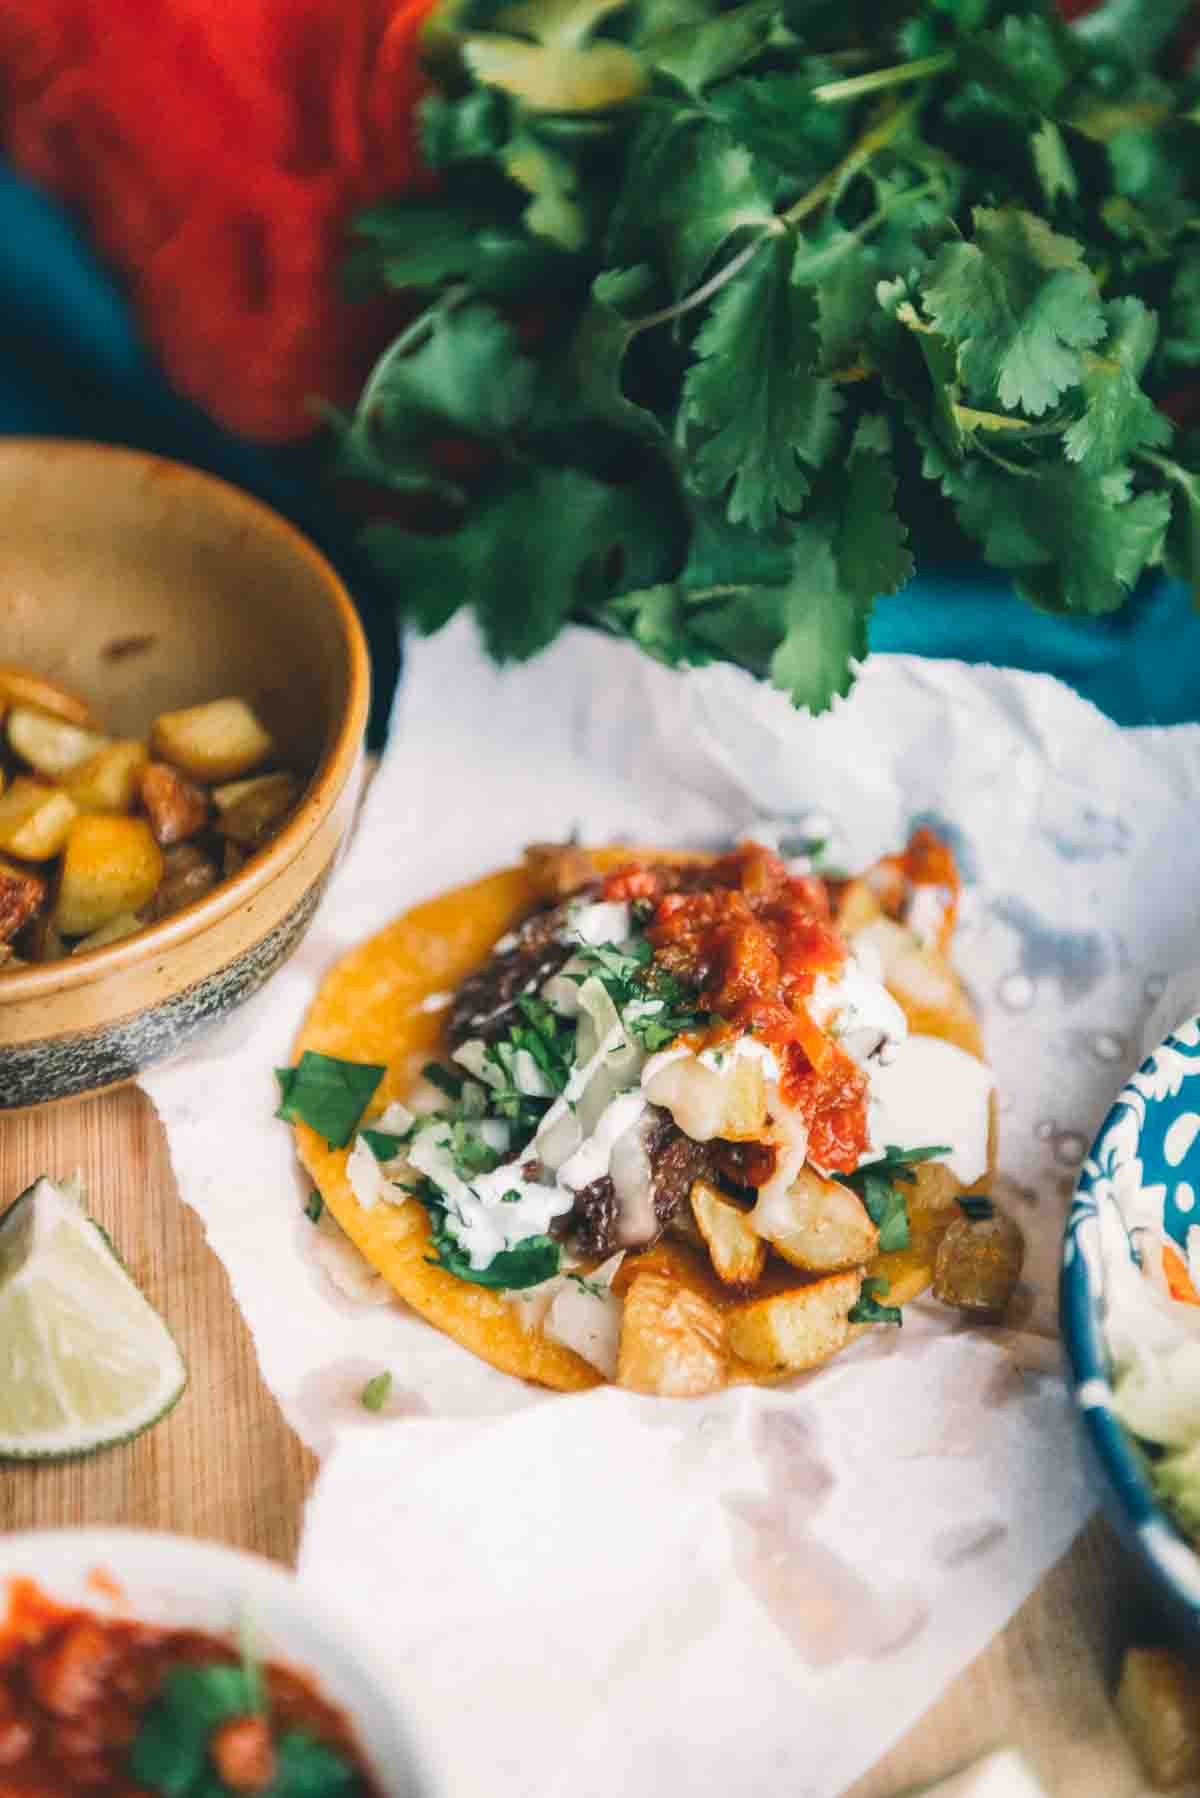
(1137, 1191)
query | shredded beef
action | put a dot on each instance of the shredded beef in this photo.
(484, 1003)
(675, 1161)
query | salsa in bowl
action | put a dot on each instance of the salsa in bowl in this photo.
(135, 1665)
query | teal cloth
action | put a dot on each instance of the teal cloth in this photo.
(72, 365)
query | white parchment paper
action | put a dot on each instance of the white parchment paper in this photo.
(759, 1592)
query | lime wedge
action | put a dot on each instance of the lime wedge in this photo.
(84, 1360)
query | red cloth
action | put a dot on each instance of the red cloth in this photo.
(215, 150)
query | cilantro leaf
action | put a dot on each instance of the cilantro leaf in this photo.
(878, 1185)
(445, 1079)
(328, 1094)
(1181, 321)
(1020, 305)
(170, 1753)
(382, 1143)
(1119, 418)
(425, 243)
(524, 579)
(528, 1264)
(590, 376)
(699, 50)
(466, 376)
(314, 1205)
(869, 541)
(824, 629)
(551, 66)
(868, 1310)
(755, 392)
(976, 1206)
(374, 1394)
(689, 187)
(774, 116)
(1074, 542)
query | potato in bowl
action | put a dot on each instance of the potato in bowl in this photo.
(138, 589)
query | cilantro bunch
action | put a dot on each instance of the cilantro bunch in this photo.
(728, 311)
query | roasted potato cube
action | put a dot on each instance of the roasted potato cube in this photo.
(816, 1224)
(19, 687)
(217, 741)
(737, 1254)
(50, 745)
(187, 874)
(671, 1339)
(978, 1264)
(176, 807)
(1158, 1701)
(558, 869)
(124, 924)
(110, 780)
(21, 893)
(248, 810)
(729, 1101)
(790, 1331)
(34, 819)
(110, 865)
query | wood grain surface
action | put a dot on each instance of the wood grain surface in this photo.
(225, 1465)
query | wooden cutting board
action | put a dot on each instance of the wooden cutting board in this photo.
(224, 1464)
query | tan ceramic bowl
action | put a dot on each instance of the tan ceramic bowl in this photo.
(147, 586)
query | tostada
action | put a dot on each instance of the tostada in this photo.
(673, 1121)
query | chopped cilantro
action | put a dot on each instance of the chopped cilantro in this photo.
(444, 1079)
(528, 1264)
(868, 1310)
(471, 1155)
(630, 976)
(170, 1753)
(314, 1205)
(877, 1185)
(976, 1206)
(328, 1094)
(383, 1144)
(373, 1396)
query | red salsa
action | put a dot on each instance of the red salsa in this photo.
(90, 1706)
(752, 940)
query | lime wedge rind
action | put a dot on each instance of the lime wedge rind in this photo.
(85, 1361)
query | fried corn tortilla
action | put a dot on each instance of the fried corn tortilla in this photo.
(386, 1003)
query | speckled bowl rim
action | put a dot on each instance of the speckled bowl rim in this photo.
(326, 783)
(1149, 1528)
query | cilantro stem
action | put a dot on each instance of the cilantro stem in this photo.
(699, 295)
(408, 339)
(831, 92)
(855, 159)
(864, 149)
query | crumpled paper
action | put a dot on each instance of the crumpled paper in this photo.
(760, 1591)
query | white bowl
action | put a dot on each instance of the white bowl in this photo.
(186, 1584)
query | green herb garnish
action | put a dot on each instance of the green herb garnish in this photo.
(170, 1753)
(443, 1078)
(868, 1310)
(373, 1396)
(383, 1144)
(976, 1206)
(328, 1094)
(528, 1264)
(814, 288)
(314, 1205)
(878, 1186)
